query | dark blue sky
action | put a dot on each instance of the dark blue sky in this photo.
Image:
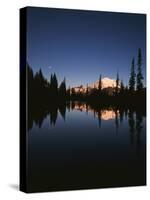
(80, 45)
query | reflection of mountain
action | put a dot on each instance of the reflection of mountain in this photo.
(108, 114)
(101, 113)
(105, 114)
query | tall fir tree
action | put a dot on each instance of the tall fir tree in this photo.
(62, 88)
(53, 86)
(117, 83)
(100, 83)
(122, 88)
(132, 77)
(55, 82)
(139, 77)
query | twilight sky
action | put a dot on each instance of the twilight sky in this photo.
(80, 45)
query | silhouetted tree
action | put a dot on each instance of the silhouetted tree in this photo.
(139, 77)
(55, 82)
(53, 86)
(43, 93)
(41, 77)
(117, 83)
(62, 89)
(100, 84)
(94, 92)
(87, 90)
(132, 77)
(122, 88)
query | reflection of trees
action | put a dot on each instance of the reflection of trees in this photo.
(126, 113)
(38, 113)
(87, 109)
(43, 93)
(62, 110)
(53, 115)
(72, 105)
(135, 120)
(139, 127)
(99, 118)
(121, 113)
(68, 105)
(116, 120)
(131, 122)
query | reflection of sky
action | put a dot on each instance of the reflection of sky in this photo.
(81, 45)
(82, 129)
(77, 149)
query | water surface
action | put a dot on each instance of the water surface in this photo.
(75, 146)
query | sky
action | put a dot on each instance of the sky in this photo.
(81, 45)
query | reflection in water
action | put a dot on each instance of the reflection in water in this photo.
(131, 121)
(116, 120)
(53, 116)
(71, 153)
(135, 120)
(118, 115)
(108, 114)
(139, 126)
(99, 118)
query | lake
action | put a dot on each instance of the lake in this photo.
(77, 147)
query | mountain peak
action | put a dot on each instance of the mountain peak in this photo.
(106, 82)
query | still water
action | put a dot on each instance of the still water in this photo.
(76, 146)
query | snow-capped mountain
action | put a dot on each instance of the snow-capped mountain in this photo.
(106, 83)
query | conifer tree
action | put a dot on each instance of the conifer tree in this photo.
(117, 83)
(100, 83)
(122, 88)
(132, 77)
(62, 88)
(139, 77)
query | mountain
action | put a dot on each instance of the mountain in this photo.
(107, 83)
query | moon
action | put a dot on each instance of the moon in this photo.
(50, 67)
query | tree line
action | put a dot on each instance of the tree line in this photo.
(42, 90)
